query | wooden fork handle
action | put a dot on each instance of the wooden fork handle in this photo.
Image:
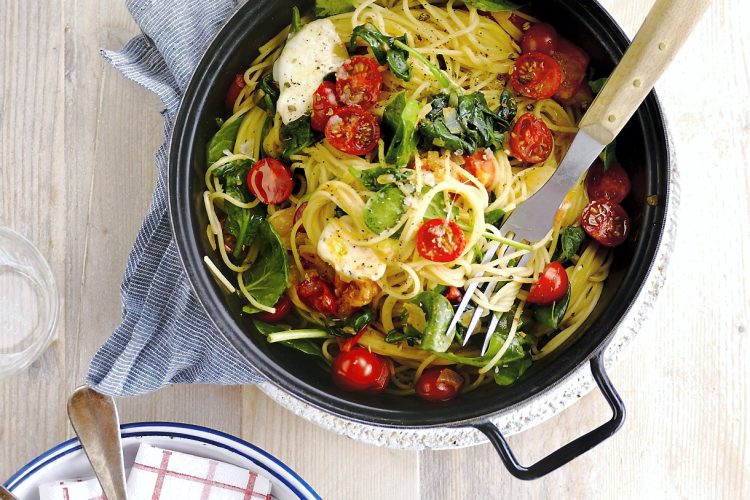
(665, 29)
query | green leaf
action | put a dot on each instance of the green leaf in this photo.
(384, 209)
(353, 324)
(224, 139)
(407, 333)
(508, 373)
(494, 216)
(371, 177)
(438, 314)
(570, 242)
(493, 5)
(551, 315)
(305, 345)
(384, 49)
(242, 223)
(296, 136)
(296, 21)
(400, 123)
(270, 93)
(327, 8)
(266, 280)
(236, 168)
(597, 85)
(437, 208)
(608, 155)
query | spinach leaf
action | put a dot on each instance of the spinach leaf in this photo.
(411, 335)
(597, 85)
(296, 136)
(267, 277)
(492, 5)
(236, 168)
(570, 241)
(384, 48)
(508, 373)
(400, 123)
(223, 139)
(437, 208)
(296, 21)
(608, 155)
(475, 124)
(384, 209)
(326, 8)
(551, 315)
(308, 346)
(438, 313)
(270, 93)
(242, 223)
(494, 216)
(370, 178)
(353, 324)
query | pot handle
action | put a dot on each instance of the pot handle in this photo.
(568, 452)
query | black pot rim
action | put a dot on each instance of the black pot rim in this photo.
(181, 213)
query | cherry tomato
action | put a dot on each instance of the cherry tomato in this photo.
(383, 378)
(270, 181)
(551, 285)
(318, 294)
(531, 140)
(536, 75)
(298, 215)
(606, 221)
(358, 82)
(573, 64)
(234, 90)
(359, 370)
(453, 294)
(283, 306)
(325, 104)
(440, 240)
(438, 384)
(482, 166)
(612, 184)
(347, 344)
(353, 130)
(540, 37)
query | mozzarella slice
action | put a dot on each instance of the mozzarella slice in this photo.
(309, 55)
(349, 260)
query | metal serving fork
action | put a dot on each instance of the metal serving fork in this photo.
(660, 37)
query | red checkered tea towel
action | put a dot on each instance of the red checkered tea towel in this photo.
(166, 475)
(72, 489)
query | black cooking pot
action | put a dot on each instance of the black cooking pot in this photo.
(643, 149)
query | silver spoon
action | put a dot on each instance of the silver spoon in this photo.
(95, 420)
(7, 495)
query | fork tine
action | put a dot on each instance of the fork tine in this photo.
(477, 314)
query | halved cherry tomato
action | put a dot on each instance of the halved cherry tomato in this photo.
(353, 130)
(453, 294)
(440, 240)
(298, 216)
(270, 181)
(318, 294)
(536, 75)
(612, 184)
(234, 90)
(573, 64)
(325, 104)
(541, 37)
(283, 306)
(347, 344)
(530, 139)
(360, 370)
(551, 285)
(358, 82)
(482, 166)
(606, 221)
(438, 384)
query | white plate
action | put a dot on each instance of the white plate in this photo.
(67, 460)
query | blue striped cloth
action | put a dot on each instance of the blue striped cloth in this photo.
(165, 336)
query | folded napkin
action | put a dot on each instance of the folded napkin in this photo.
(72, 489)
(163, 474)
(165, 336)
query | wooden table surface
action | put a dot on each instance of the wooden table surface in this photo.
(77, 142)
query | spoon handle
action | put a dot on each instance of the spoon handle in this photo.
(665, 29)
(95, 421)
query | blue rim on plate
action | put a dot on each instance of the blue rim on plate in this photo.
(302, 489)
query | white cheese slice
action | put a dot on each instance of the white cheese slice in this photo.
(309, 55)
(349, 260)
